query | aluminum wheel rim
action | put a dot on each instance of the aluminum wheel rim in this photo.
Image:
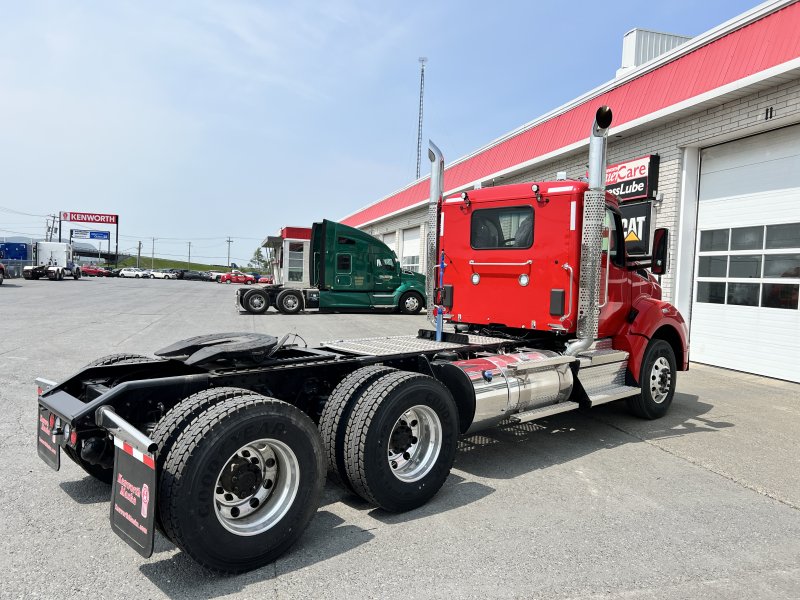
(420, 426)
(412, 303)
(660, 380)
(256, 301)
(290, 302)
(272, 498)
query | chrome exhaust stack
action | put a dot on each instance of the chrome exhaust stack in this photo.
(432, 240)
(594, 206)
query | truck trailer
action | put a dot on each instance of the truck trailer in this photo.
(53, 260)
(222, 442)
(350, 270)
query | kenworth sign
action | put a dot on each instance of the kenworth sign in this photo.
(81, 217)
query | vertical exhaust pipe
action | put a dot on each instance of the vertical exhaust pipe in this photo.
(594, 207)
(432, 241)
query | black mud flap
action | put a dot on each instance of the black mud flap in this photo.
(48, 450)
(133, 503)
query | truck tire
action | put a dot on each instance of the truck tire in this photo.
(256, 302)
(657, 379)
(76, 274)
(289, 302)
(2, 276)
(241, 483)
(410, 303)
(180, 416)
(100, 472)
(401, 440)
(336, 415)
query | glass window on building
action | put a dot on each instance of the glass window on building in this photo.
(296, 261)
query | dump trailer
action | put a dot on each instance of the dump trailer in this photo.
(222, 442)
(53, 260)
(351, 270)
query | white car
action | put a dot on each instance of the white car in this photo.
(215, 275)
(162, 274)
(132, 272)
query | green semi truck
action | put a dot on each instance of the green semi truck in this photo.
(350, 270)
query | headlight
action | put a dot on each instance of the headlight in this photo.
(524, 280)
(476, 279)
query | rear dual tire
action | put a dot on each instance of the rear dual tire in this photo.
(242, 482)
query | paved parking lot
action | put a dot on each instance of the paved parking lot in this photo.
(704, 502)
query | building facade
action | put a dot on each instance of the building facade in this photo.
(721, 112)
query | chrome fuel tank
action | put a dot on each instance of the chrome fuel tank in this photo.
(505, 384)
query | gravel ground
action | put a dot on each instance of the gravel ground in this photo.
(703, 502)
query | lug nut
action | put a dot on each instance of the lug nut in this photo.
(394, 464)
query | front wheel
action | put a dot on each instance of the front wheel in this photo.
(410, 303)
(401, 440)
(657, 378)
(242, 482)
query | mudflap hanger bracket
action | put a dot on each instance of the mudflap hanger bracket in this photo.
(133, 499)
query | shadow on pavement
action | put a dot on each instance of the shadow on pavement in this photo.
(87, 490)
(180, 577)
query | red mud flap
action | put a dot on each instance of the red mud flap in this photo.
(133, 501)
(47, 447)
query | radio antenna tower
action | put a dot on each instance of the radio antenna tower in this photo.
(422, 61)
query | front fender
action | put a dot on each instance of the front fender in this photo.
(407, 286)
(651, 318)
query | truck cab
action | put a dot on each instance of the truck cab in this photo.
(352, 269)
(511, 262)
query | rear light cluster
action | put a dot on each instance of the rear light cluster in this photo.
(52, 421)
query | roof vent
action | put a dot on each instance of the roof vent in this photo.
(643, 45)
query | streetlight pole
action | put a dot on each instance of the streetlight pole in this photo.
(229, 241)
(153, 254)
(189, 260)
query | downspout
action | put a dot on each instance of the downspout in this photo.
(594, 206)
(432, 241)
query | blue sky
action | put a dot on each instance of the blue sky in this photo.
(198, 120)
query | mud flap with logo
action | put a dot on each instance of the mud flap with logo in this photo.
(133, 501)
(49, 451)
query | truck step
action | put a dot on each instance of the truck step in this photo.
(544, 411)
(601, 356)
(611, 393)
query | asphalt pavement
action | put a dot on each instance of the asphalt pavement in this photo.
(704, 502)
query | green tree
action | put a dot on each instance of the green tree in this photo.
(258, 261)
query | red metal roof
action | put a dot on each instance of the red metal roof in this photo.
(767, 42)
(296, 233)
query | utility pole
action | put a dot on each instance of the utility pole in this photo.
(153, 255)
(229, 242)
(138, 254)
(422, 61)
(189, 260)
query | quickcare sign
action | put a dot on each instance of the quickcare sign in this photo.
(635, 180)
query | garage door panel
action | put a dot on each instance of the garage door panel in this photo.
(748, 211)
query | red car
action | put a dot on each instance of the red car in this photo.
(237, 277)
(93, 271)
(266, 279)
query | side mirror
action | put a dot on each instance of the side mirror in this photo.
(659, 263)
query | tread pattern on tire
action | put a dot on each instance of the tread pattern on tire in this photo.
(174, 474)
(114, 359)
(363, 413)
(337, 411)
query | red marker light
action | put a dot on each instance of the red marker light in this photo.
(39, 391)
(73, 438)
(52, 421)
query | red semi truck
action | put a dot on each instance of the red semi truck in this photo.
(223, 441)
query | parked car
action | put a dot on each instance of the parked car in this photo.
(178, 272)
(266, 279)
(195, 275)
(131, 272)
(237, 277)
(163, 274)
(215, 275)
(94, 271)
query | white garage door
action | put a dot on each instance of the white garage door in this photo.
(389, 240)
(745, 313)
(409, 256)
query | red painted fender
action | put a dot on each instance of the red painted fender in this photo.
(653, 318)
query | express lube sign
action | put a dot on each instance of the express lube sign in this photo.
(82, 217)
(634, 179)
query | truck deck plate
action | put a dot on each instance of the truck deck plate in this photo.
(388, 346)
